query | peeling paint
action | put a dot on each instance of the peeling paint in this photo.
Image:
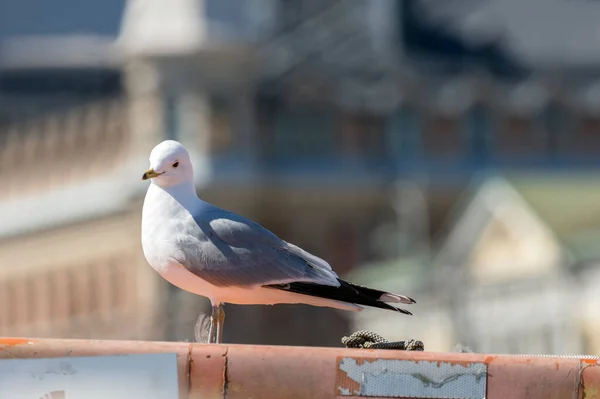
(389, 378)
(351, 387)
(589, 383)
(590, 392)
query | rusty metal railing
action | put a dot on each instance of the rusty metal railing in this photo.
(245, 371)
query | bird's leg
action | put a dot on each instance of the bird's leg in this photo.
(214, 317)
(220, 322)
(217, 318)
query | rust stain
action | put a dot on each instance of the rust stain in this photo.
(463, 363)
(343, 383)
(557, 365)
(362, 360)
(589, 361)
(16, 341)
(359, 360)
(490, 359)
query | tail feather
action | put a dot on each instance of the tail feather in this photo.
(348, 292)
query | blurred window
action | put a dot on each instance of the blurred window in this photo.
(93, 284)
(343, 246)
(362, 135)
(403, 133)
(61, 285)
(556, 122)
(303, 131)
(266, 109)
(4, 304)
(519, 136)
(585, 139)
(478, 131)
(442, 137)
(21, 301)
(80, 290)
(104, 287)
(171, 117)
(221, 126)
(119, 284)
(7, 298)
(40, 298)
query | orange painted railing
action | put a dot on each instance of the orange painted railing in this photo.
(263, 372)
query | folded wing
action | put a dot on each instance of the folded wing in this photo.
(226, 249)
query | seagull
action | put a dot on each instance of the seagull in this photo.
(228, 258)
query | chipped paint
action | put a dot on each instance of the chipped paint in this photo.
(590, 392)
(590, 381)
(389, 378)
(350, 385)
(146, 375)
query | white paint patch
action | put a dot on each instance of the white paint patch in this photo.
(411, 379)
(148, 376)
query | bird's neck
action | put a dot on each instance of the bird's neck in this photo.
(184, 193)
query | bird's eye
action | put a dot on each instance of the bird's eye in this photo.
(176, 164)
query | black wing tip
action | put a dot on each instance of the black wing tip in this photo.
(349, 293)
(385, 306)
(404, 311)
(383, 299)
(396, 298)
(412, 301)
(381, 296)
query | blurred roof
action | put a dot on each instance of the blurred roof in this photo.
(568, 204)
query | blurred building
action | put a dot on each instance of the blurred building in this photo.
(300, 114)
(516, 271)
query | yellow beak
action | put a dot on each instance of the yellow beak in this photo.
(150, 173)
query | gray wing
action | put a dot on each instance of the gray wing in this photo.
(230, 250)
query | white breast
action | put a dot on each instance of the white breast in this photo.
(162, 216)
(159, 217)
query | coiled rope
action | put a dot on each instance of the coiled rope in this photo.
(370, 340)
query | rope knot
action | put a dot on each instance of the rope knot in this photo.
(369, 340)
